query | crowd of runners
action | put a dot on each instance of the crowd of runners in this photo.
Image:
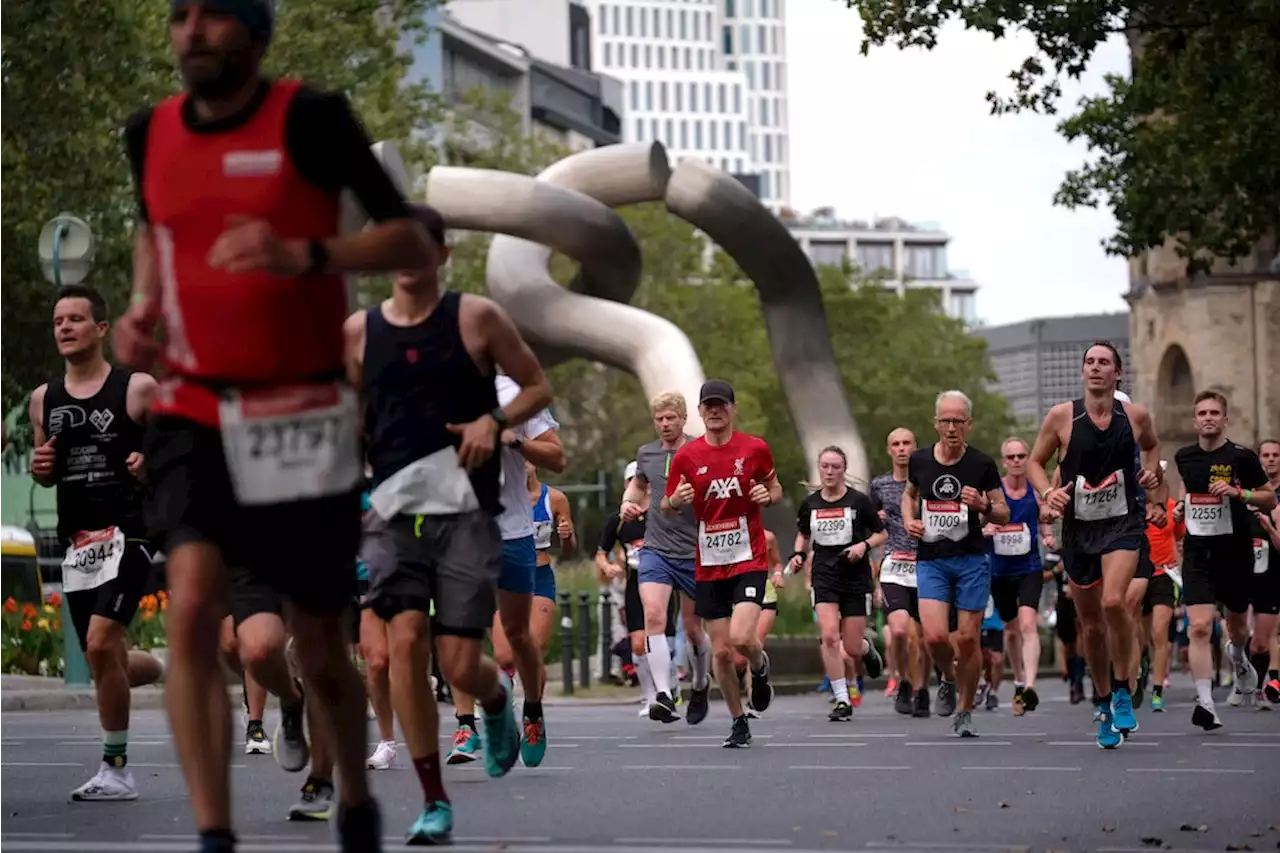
(368, 484)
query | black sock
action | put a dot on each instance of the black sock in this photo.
(467, 720)
(532, 710)
(1273, 674)
(1118, 684)
(1260, 661)
(217, 841)
(1103, 701)
(1158, 690)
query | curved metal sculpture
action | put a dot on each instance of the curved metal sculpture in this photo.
(568, 208)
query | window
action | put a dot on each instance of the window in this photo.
(782, 185)
(662, 57)
(635, 56)
(729, 8)
(768, 148)
(670, 137)
(748, 11)
(684, 25)
(688, 59)
(744, 39)
(630, 21)
(737, 166)
(762, 41)
(829, 252)
(742, 135)
(753, 147)
(728, 40)
(617, 30)
(640, 130)
(657, 23)
(635, 95)
(648, 95)
(964, 306)
(702, 60)
(671, 30)
(773, 37)
(693, 97)
(648, 56)
(780, 113)
(764, 8)
(707, 103)
(876, 258)
(764, 185)
(653, 126)
(697, 133)
(724, 100)
(764, 112)
(679, 97)
(710, 25)
(782, 148)
(662, 96)
(737, 99)
(644, 24)
(731, 66)
(608, 54)
(750, 68)
(684, 133)
(764, 75)
(712, 128)
(781, 77)
(697, 27)
(927, 262)
(604, 19)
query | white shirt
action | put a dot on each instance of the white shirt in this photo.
(516, 521)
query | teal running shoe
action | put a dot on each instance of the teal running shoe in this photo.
(1122, 718)
(434, 826)
(1157, 703)
(1109, 736)
(466, 743)
(533, 743)
(501, 735)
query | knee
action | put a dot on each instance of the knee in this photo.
(375, 660)
(256, 651)
(724, 657)
(403, 645)
(1200, 630)
(1114, 606)
(933, 638)
(831, 640)
(103, 646)
(966, 642)
(1259, 643)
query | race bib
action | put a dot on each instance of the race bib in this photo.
(832, 527)
(899, 568)
(93, 559)
(291, 444)
(1261, 556)
(1012, 540)
(1207, 515)
(542, 535)
(1103, 501)
(724, 543)
(945, 520)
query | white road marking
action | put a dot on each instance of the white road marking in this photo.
(717, 842)
(681, 767)
(831, 744)
(1026, 769)
(98, 742)
(714, 737)
(860, 735)
(669, 746)
(1129, 744)
(1241, 744)
(945, 845)
(968, 741)
(1187, 770)
(807, 767)
(43, 764)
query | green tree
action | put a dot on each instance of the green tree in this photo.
(1187, 150)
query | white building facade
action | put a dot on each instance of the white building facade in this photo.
(904, 255)
(753, 41)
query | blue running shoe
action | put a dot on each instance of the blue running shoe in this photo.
(1108, 736)
(824, 686)
(533, 743)
(501, 735)
(1122, 718)
(434, 826)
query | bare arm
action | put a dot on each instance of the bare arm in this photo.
(1149, 443)
(35, 411)
(142, 390)
(546, 451)
(775, 489)
(875, 540)
(909, 499)
(771, 548)
(146, 270)
(1046, 445)
(560, 512)
(353, 336)
(636, 490)
(997, 508)
(510, 352)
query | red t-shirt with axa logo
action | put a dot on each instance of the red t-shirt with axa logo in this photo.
(731, 538)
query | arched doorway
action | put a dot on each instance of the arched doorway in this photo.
(1175, 394)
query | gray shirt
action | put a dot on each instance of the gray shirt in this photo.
(672, 536)
(888, 494)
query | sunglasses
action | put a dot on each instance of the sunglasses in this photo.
(1015, 456)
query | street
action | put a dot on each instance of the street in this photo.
(614, 782)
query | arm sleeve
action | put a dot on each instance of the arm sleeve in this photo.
(609, 533)
(330, 148)
(135, 141)
(802, 518)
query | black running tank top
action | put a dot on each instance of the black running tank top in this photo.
(1102, 466)
(416, 380)
(95, 437)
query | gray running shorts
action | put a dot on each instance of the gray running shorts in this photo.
(453, 560)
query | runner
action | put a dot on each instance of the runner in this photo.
(897, 580)
(950, 485)
(667, 562)
(252, 304)
(1066, 628)
(768, 616)
(1099, 438)
(88, 427)
(522, 606)
(1266, 581)
(376, 557)
(842, 526)
(994, 631)
(1164, 542)
(425, 361)
(1222, 479)
(726, 477)
(1017, 576)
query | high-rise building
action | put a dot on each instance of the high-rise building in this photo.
(753, 40)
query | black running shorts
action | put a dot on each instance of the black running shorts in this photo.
(1160, 593)
(1217, 572)
(716, 599)
(899, 597)
(1012, 592)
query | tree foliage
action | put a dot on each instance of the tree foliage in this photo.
(1187, 149)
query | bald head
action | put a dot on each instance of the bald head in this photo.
(901, 444)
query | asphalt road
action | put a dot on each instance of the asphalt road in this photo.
(613, 782)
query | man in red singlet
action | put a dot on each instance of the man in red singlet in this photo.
(728, 476)
(253, 449)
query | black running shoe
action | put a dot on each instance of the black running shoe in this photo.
(739, 736)
(841, 712)
(1030, 699)
(663, 709)
(761, 689)
(905, 701)
(922, 703)
(697, 706)
(871, 661)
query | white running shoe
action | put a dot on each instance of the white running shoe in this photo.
(1237, 697)
(109, 784)
(644, 709)
(383, 756)
(1246, 675)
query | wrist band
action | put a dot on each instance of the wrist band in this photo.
(1247, 494)
(139, 299)
(799, 554)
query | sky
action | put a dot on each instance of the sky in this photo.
(909, 134)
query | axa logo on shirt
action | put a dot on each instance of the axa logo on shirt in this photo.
(723, 488)
(946, 487)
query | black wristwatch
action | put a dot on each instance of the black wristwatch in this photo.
(319, 255)
(799, 554)
(516, 443)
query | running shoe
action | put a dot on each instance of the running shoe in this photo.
(1144, 677)
(1122, 717)
(109, 784)
(1157, 703)
(963, 726)
(698, 705)
(1237, 696)
(761, 689)
(980, 698)
(1272, 691)
(993, 701)
(1206, 717)
(1077, 693)
(1030, 699)
(904, 701)
(1246, 678)
(434, 826)
(290, 741)
(739, 736)
(871, 660)
(946, 698)
(644, 707)
(533, 743)
(466, 743)
(841, 712)
(1260, 702)
(824, 686)
(855, 695)
(255, 739)
(316, 802)
(385, 754)
(663, 710)
(1109, 736)
(501, 737)
(1019, 703)
(921, 703)
(891, 689)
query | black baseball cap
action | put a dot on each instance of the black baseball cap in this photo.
(716, 389)
(430, 219)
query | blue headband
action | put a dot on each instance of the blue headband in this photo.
(257, 16)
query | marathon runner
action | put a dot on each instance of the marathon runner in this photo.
(666, 562)
(951, 488)
(238, 256)
(726, 477)
(425, 362)
(1222, 480)
(842, 526)
(1103, 526)
(522, 605)
(994, 631)
(88, 427)
(1164, 542)
(768, 616)
(1266, 581)
(897, 580)
(1017, 576)
(1066, 627)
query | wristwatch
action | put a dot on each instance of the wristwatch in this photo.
(516, 443)
(500, 417)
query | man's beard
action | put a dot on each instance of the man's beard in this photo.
(228, 80)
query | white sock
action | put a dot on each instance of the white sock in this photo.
(701, 654)
(660, 668)
(646, 677)
(675, 675)
(1237, 653)
(840, 689)
(1204, 690)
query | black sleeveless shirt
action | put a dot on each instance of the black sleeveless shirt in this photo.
(416, 380)
(1096, 454)
(95, 437)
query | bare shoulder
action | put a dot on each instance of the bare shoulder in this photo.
(142, 383)
(35, 408)
(1059, 414)
(353, 327)
(1138, 413)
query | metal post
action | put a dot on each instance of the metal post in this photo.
(606, 635)
(584, 638)
(566, 641)
(75, 667)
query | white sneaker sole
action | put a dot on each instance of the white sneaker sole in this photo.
(257, 749)
(122, 797)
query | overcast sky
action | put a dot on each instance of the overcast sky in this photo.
(908, 133)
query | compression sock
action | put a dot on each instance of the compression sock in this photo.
(1204, 691)
(429, 778)
(115, 748)
(660, 662)
(532, 710)
(645, 676)
(1260, 661)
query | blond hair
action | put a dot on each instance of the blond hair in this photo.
(1011, 439)
(669, 401)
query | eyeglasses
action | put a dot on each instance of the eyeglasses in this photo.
(1015, 456)
(955, 422)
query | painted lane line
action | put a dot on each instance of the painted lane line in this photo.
(942, 845)
(669, 746)
(809, 767)
(1241, 745)
(681, 767)
(860, 735)
(717, 842)
(960, 742)
(98, 742)
(714, 737)
(1026, 769)
(1188, 770)
(1129, 744)
(827, 745)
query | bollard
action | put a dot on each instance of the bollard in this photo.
(566, 642)
(584, 638)
(606, 636)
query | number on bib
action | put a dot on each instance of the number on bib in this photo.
(1012, 540)
(93, 559)
(1208, 515)
(1261, 556)
(724, 543)
(899, 568)
(945, 520)
(1103, 501)
(832, 527)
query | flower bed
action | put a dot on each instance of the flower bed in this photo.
(32, 638)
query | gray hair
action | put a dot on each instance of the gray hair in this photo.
(954, 395)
